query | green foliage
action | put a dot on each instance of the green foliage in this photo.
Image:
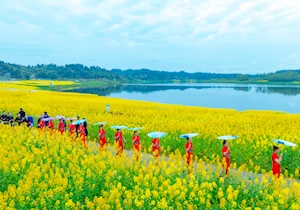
(285, 76)
(79, 71)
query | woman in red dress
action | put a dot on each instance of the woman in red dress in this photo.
(41, 124)
(51, 126)
(189, 149)
(276, 161)
(82, 134)
(136, 140)
(61, 126)
(72, 129)
(156, 147)
(119, 140)
(226, 156)
(102, 137)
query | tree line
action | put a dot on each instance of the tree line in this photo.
(79, 71)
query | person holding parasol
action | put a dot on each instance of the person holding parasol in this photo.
(276, 160)
(189, 146)
(119, 138)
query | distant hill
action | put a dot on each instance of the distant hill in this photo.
(79, 71)
(146, 74)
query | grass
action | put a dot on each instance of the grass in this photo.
(64, 85)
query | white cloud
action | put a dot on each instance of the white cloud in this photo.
(293, 56)
(171, 26)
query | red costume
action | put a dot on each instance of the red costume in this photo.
(225, 158)
(156, 147)
(42, 124)
(82, 134)
(119, 140)
(190, 148)
(61, 127)
(136, 142)
(71, 129)
(51, 125)
(275, 166)
(102, 136)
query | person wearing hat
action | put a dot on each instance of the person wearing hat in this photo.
(276, 161)
(119, 140)
(189, 150)
(102, 137)
(226, 157)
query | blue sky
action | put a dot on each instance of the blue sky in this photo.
(191, 35)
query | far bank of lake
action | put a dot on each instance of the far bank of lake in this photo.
(215, 95)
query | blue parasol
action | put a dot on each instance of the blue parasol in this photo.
(188, 135)
(227, 137)
(157, 134)
(100, 123)
(119, 127)
(77, 122)
(134, 129)
(283, 142)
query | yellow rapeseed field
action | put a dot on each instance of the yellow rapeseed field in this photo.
(40, 170)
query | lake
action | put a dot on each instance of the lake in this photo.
(233, 96)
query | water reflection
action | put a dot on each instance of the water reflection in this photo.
(283, 90)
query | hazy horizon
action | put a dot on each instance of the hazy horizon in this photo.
(229, 36)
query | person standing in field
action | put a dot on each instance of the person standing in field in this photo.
(77, 126)
(10, 118)
(82, 134)
(27, 121)
(22, 113)
(46, 116)
(189, 150)
(4, 117)
(41, 124)
(226, 157)
(51, 126)
(119, 140)
(156, 147)
(72, 129)
(102, 137)
(61, 126)
(276, 161)
(136, 140)
(19, 119)
(39, 120)
(85, 127)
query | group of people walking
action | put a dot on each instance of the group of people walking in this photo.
(80, 131)
(21, 118)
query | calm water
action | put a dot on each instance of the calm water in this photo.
(234, 96)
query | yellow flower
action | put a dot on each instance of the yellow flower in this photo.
(222, 202)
